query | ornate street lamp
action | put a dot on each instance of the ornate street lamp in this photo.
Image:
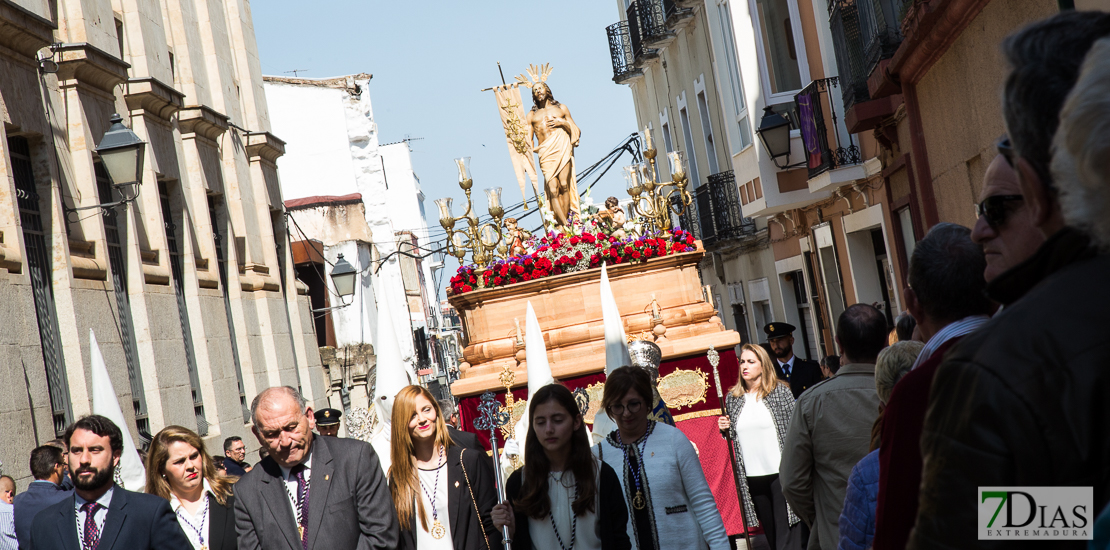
(343, 276)
(774, 132)
(122, 152)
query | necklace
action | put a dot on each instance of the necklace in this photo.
(298, 505)
(198, 529)
(573, 521)
(438, 531)
(638, 500)
(559, 480)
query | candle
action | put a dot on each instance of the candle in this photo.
(647, 138)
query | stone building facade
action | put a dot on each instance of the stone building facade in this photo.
(188, 287)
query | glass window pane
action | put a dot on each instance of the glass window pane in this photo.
(781, 57)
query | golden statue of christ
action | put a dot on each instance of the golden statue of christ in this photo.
(557, 135)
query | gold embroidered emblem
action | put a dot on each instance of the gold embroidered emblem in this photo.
(683, 388)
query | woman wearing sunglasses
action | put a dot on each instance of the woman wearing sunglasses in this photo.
(669, 501)
(1005, 226)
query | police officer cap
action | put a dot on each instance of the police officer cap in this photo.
(778, 330)
(328, 417)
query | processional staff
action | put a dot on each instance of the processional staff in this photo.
(492, 418)
(715, 359)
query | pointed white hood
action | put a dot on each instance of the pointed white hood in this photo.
(392, 375)
(539, 370)
(616, 350)
(105, 402)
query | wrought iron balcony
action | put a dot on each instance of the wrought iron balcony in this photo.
(718, 210)
(864, 32)
(620, 50)
(811, 103)
(652, 16)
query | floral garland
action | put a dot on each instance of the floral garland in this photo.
(563, 253)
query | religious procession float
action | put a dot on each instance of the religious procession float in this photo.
(597, 288)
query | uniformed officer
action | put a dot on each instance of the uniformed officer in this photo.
(799, 373)
(327, 421)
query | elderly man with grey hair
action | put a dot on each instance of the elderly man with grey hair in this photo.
(310, 492)
(1024, 397)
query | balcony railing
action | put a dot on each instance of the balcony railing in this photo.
(864, 33)
(620, 49)
(718, 211)
(811, 103)
(652, 16)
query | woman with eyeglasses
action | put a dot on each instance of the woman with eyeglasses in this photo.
(563, 498)
(443, 493)
(760, 406)
(668, 499)
(180, 470)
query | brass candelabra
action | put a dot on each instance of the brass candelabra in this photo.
(485, 241)
(651, 201)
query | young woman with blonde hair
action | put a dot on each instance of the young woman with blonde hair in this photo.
(760, 406)
(180, 470)
(442, 492)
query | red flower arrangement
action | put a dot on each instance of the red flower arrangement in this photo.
(562, 254)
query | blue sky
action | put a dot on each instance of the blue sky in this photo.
(429, 61)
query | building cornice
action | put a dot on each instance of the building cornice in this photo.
(153, 97)
(24, 31)
(264, 145)
(202, 120)
(90, 65)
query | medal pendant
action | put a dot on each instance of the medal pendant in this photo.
(203, 547)
(438, 530)
(300, 531)
(638, 501)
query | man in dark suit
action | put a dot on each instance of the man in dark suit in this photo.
(48, 467)
(799, 373)
(102, 515)
(235, 452)
(461, 437)
(310, 492)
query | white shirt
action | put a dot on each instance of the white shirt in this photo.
(291, 484)
(788, 367)
(758, 438)
(99, 517)
(195, 526)
(562, 496)
(429, 483)
(962, 327)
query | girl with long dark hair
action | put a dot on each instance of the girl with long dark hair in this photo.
(563, 497)
(442, 492)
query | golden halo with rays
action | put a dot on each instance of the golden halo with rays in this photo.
(538, 74)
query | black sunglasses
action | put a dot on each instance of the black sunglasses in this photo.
(994, 209)
(1006, 150)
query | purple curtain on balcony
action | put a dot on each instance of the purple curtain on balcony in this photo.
(808, 124)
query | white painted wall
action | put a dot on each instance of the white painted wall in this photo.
(332, 149)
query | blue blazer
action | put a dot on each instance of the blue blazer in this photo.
(38, 496)
(135, 521)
